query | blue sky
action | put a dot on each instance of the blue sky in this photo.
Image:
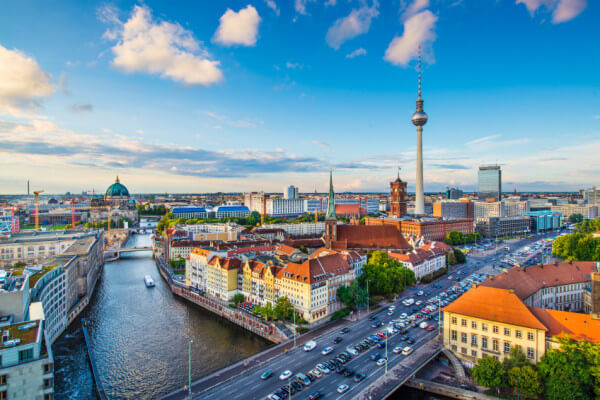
(198, 96)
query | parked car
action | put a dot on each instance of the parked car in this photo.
(267, 374)
(358, 377)
(314, 395)
(323, 368)
(343, 388)
(327, 350)
(285, 374)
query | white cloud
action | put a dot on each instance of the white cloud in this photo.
(22, 83)
(324, 145)
(414, 8)
(161, 47)
(233, 123)
(356, 23)
(238, 27)
(418, 30)
(562, 10)
(358, 52)
(596, 116)
(291, 65)
(300, 6)
(330, 3)
(272, 5)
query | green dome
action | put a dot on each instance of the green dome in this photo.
(116, 189)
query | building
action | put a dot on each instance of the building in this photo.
(312, 206)
(398, 198)
(588, 211)
(27, 369)
(498, 227)
(489, 183)
(427, 228)
(9, 224)
(279, 207)
(299, 229)
(545, 220)
(228, 211)
(558, 286)
(222, 275)
(453, 193)
(48, 286)
(189, 212)
(505, 208)
(116, 204)
(514, 208)
(255, 201)
(422, 261)
(592, 196)
(291, 193)
(451, 209)
(350, 210)
(355, 259)
(488, 321)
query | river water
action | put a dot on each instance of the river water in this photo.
(140, 336)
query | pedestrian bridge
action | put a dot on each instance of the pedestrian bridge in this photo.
(115, 254)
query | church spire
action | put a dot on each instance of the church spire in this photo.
(331, 201)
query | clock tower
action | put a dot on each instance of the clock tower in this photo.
(398, 197)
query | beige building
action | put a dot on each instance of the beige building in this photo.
(589, 211)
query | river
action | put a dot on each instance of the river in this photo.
(140, 336)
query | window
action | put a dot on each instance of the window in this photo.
(529, 335)
(463, 322)
(454, 320)
(506, 347)
(48, 383)
(474, 325)
(3, 395)
(454, 347)
(49, 396)
(454, 335)
(496, 330)
(495, 346)
(3, 379)
(47, 368)
(474, 353)
(506, 332)
(484, 342)
(473, 340)
(463, 350)
(463, 337)
(530, 353)
(25, 355)
(484, 327)
(518, 334)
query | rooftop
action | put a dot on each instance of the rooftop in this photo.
(35, 277)
(25, 332)
(578, 326)
(494, 304)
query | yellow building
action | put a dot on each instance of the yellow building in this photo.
(258, 283)
(222, 277)
(487, 321)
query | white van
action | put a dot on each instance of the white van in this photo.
(352, 350)
(310, 345)
(423, 325)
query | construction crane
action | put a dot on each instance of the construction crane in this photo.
(109, 213)
(37, 209)
(73, 213)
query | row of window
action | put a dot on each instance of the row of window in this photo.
(485, 344)
(495, 328)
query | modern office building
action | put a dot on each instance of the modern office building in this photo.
(504, 208)
(489, 183)
(255, 201)
(545, 220)
(451, 209)
(592, 196)
(279, 207)
(453, 193)
(291, 193)
(499, 227)
(226, 211)
(190, 212)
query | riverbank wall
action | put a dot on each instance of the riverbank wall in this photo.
(245, 320)
(446, 390)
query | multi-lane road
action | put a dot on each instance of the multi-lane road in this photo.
(250, 385)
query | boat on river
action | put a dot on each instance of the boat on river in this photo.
(148, 281)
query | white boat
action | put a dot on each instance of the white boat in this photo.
(148, 281)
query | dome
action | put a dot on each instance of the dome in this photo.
(117, 190)
(419, 118)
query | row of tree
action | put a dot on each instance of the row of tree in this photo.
(581, 245)
(456, 238)
(588, 226)
(151, 210)
(570, 372)
(104, 224)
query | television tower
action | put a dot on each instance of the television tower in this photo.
(419, 119)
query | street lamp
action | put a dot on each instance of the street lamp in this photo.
(368, 300)
(386, 353)
(190, 368)
(294, 314)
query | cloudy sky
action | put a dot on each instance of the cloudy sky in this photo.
(203, 96)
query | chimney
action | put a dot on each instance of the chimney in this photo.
(511, 291)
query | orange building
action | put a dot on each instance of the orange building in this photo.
(429, 229)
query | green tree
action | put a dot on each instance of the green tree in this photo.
(525, 380)
(561, 386)
(516, 358)
(451, 258)
(353, 296)
(575, 218)
(459, 256)
(283, 309)
(488, 372)
(386, 276)
(238, 298)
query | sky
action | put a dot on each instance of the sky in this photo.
(206, 96)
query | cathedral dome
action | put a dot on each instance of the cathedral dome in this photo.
(117, 190)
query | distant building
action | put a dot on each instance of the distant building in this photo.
(453, 193)
(427, 228)
(451, 209)
(255, 201)
(499, 227)
(505, 208)
(592, 196)
(422, 261)
(291, 193)
(545, 220)
(116, 203)
(588, 211)
(398, 198)
(490, 182)
(227, 211)
(298, 229)
(189, 212)
(279, 207)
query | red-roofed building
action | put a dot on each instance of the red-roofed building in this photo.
(422, 261)
(350, 210)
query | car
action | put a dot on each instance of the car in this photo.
(390, 313)
(348, 373)
(314, 395)
(327, 350)
(420, 293)
(323, 368)
(358, 377)
(375, 324)
(281, 394)
(392, 307)
(397, 350)
(430, 328)
(372, 317)
(297, 385)
(381, 362)
(303, 379)
(267, 374)
(343, 388)
(337, 339)
(274, 396)
(374, 356)
(311, 377)
(316, 372)
(345, 330)
(380, 345)
(407, 350)
(340, 370)
(285, 374)
(403, 316)
(410, 341)
(404, 338)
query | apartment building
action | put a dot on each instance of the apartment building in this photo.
(223, 278)
(589, 211)
(422, 261)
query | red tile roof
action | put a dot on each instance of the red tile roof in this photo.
(226, 263)
(316, 269)
(418, 256)
(493, 304)
(285, 249)
(370, 237)
(527, 281)
(578, 326)
(347, 209)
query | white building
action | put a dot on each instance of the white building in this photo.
(291, 193)
(422, 262)
(297, 229)
(284, 207)
(189, 212)
(255, 201)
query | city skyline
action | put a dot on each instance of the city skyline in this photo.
(260, 94)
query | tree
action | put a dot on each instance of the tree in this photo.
(488, 372)
(283, 309)
(525, 380)
(575, 218)
(516, 358)
(20, 264)
(303, 249)
(451, 258)
(265, 311)
(459, 256)
(238, 298)
(386, 276)
(561, 387)
(353, 296)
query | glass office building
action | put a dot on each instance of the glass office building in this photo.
(490, 183)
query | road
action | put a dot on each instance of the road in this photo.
(249, 385)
